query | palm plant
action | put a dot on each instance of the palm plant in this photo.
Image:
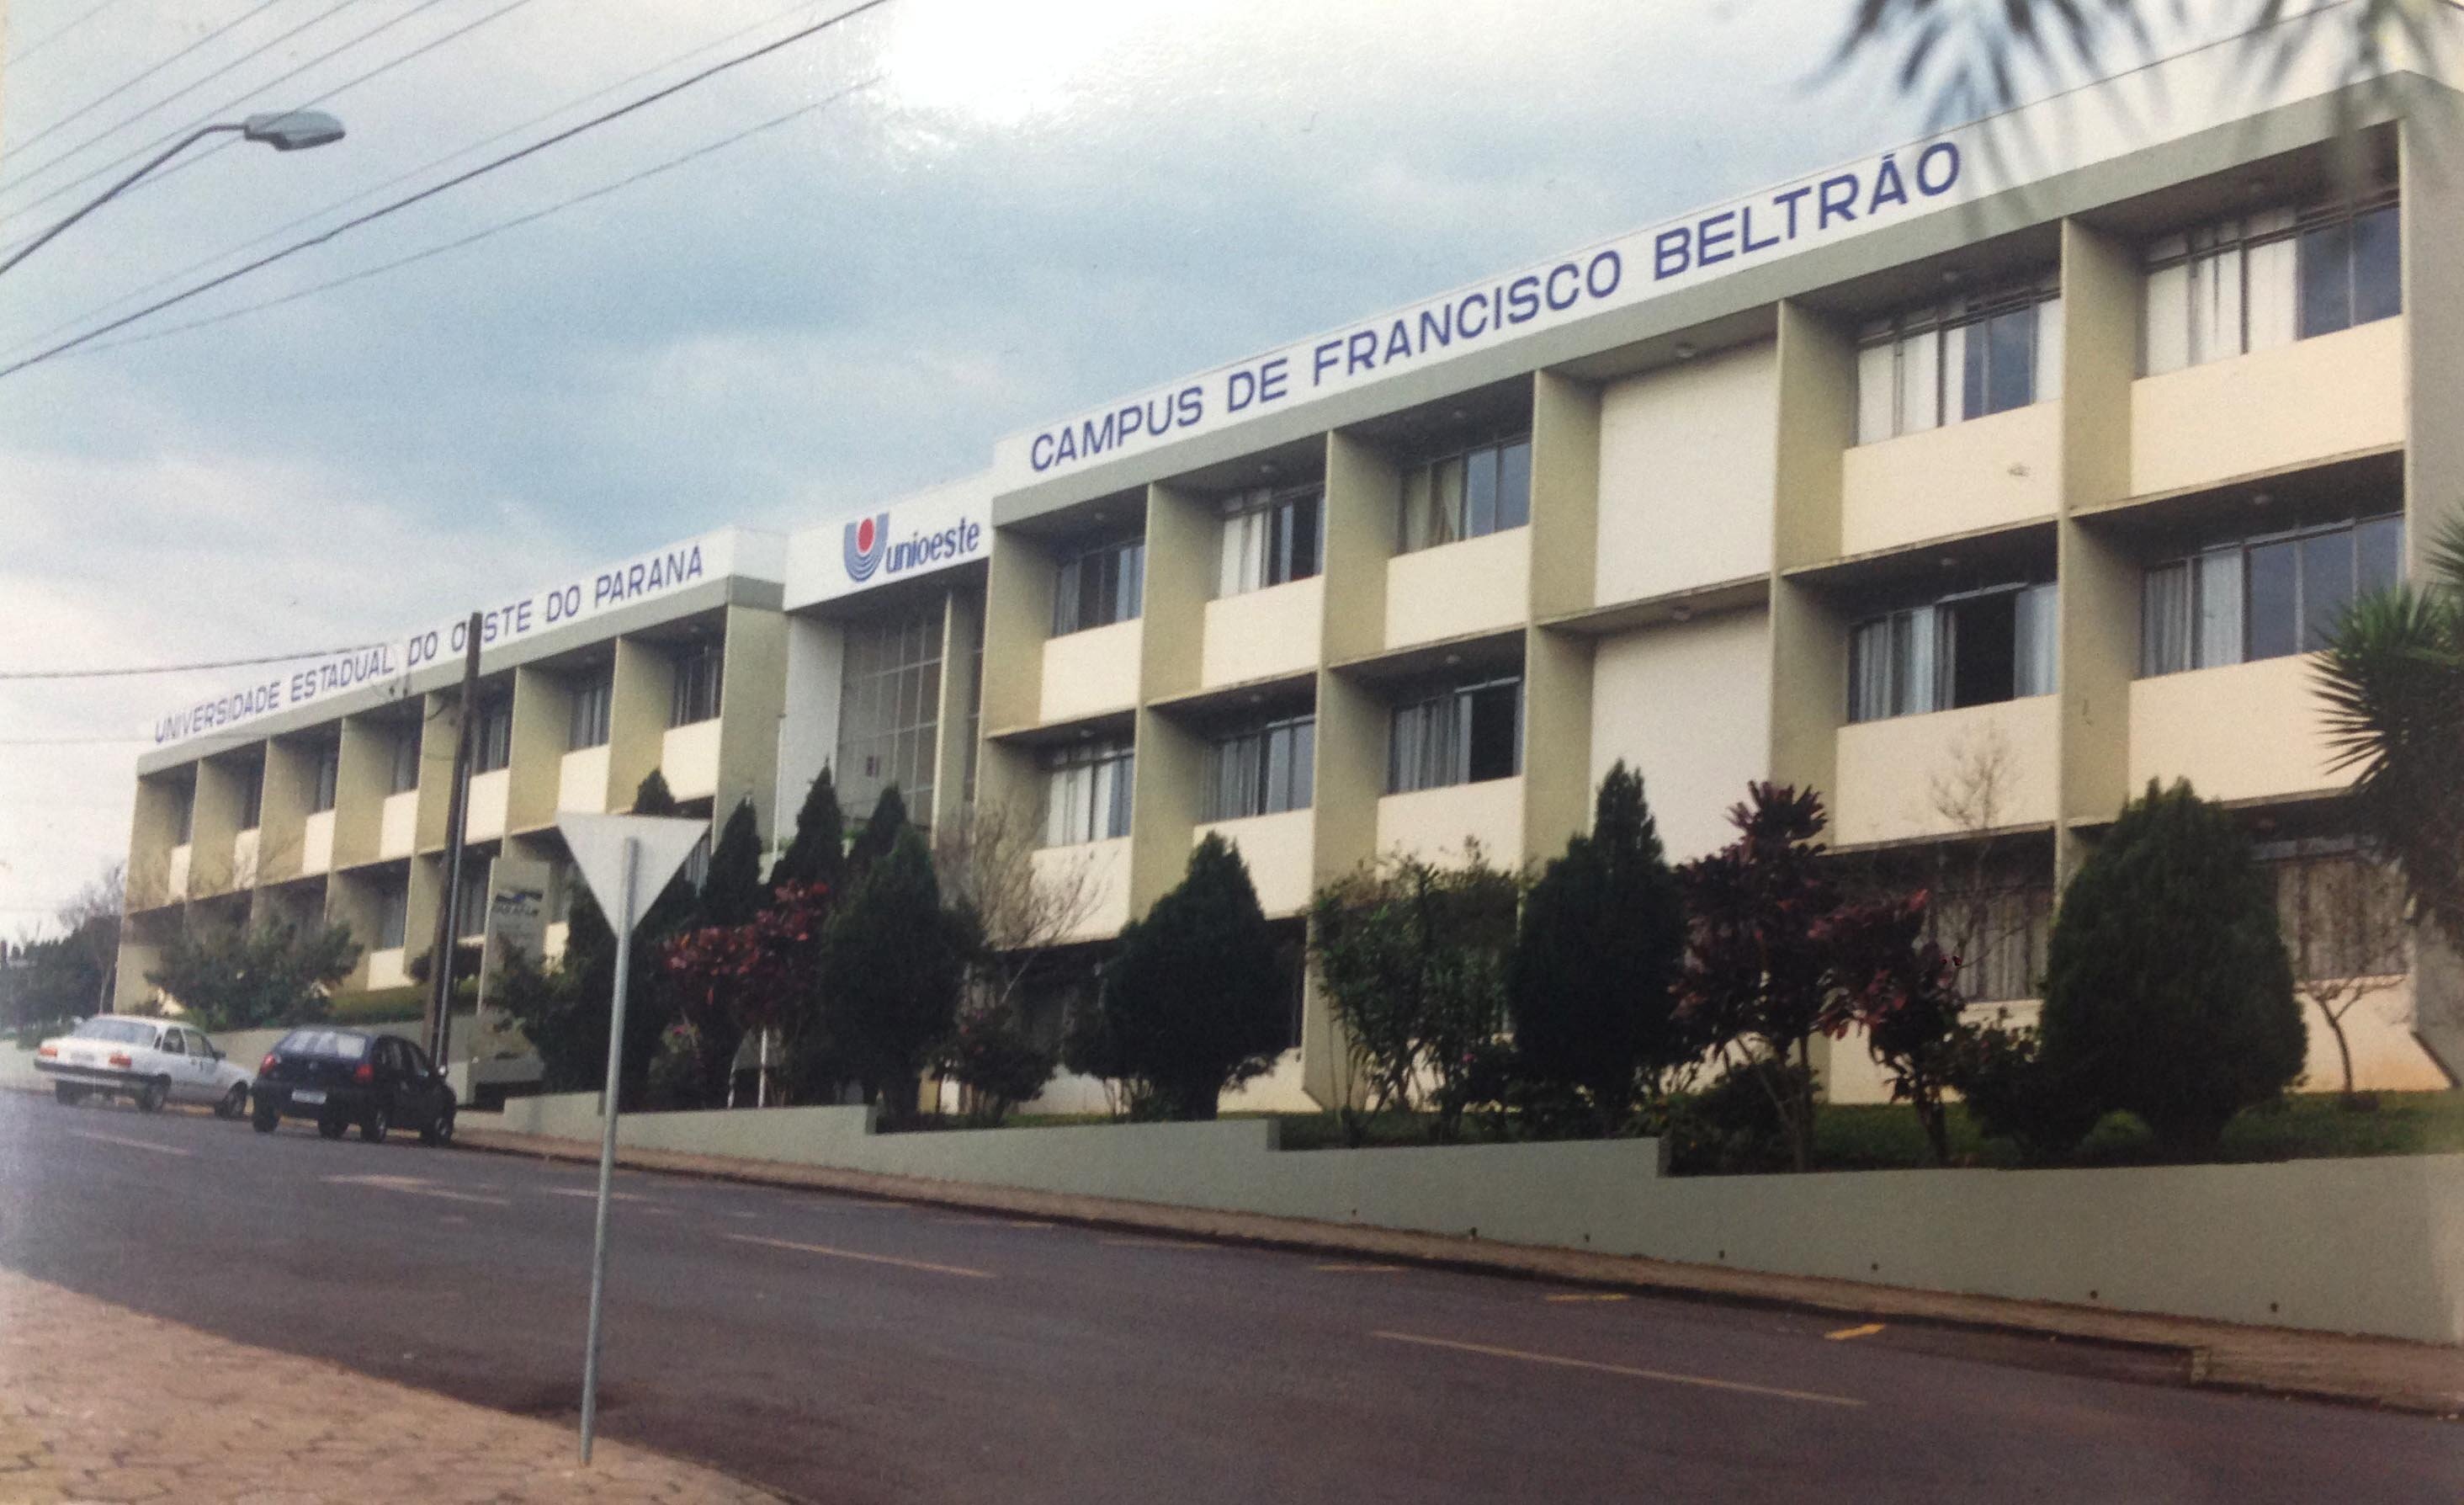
(2393, 681)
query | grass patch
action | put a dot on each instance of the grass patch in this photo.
(378, 1006)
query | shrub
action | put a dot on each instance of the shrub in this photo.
(1197, 999)
(893, 962)
(1737, 1123)
(2013, 1095)
(271, 973)
(2168, 992)
(992, 1056)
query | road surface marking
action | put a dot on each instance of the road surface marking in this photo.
(134, 1145)
(1359, 1270)
(1587, 1295)
(1703, 1381)
(593, 1193)
(661, 1212)
(1868, 1330)
(1150, 1242)
(416, 1188)
(995, 1222)
(869, 1259)
(739, 1214)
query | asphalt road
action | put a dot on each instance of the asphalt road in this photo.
(846, 1350)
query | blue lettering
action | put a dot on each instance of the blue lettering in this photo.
(1574, 275)
(1671, 253)
(1842, 203)
(1949, 153)
(1789, 199)
(1888, 187)
(1040, 454)
(1360, 351)
(1191, 405)
(1592, 275)
(1434, 329)
(1463, 316)
(1745, 217)
(1324, 355)
(1240, 390)
(1399, 343)
(1706, 237)
(1271, 378)
(1523, 300)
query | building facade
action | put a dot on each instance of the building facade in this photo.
(1973, 485)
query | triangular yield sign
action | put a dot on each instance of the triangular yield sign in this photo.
(597, 843)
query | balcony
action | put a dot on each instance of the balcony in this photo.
(484, 816)
(1091, 671)
(1997, 760)
(2255, 414)
(1439, 825)
(582, 780)
(1259, 634)
(244, 855)
(1964, 478)
(1454, 589)
(175, 877)
(398, 826)
(688, 761)
(2243, 732)
(388, 968)
(1103, 869)
(1279, 850)
(316, 845)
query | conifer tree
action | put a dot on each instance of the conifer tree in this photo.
(1195, 999)
(881, 829)
(894, 963)
(732, 891)
(817, 853)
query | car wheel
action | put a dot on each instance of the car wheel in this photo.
(234, 1103)
(331, 1127)
(69, 1094)
(440, 1133)
(372, 1128)
(151, 1097)
(267, 1120)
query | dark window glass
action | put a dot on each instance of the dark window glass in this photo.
(494, 748)
(329, 775)
(1100, 585)
(252, 796)
(1514, 484)
(2326, 586)
(1999, 367)
(2378, 554)
(694, 697)
(1494, 740)
(1983, 649)
(1480, 493)
(405, 761)
(2326, 288)
(2273, 602)
(587, 725)
(2378, 283)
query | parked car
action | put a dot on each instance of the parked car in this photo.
(344, 1077)
(148, 1061)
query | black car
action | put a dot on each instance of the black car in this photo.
(343, 1077)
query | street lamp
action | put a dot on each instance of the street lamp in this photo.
(283, 130)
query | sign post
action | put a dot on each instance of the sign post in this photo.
(622, 857)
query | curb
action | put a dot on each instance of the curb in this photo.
(2384, 1373)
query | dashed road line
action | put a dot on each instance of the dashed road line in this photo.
(1867, 1330)
(1586, 1295)
(412, 1186)
(869, 1259)
(134, 1145)
(1664, 1377)
(592, 1192)
(1359, 1270)
(1153, 1243)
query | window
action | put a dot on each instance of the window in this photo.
(2266, 280)
(340, 1044)
(585, 723)
(1087, 792)
(172, 1042)
(252, 793)
(414, 1060)
(471, 901)
(405, 763)
(695, 696)
(1461, 734)
(1979, 647)
(493, 742)
(1942, 363)
(1261, 770)
(561, 879)
(184, 811)
(329, 777)
(393, 916)
(1100, 584)
(2252, 598)
(2341, 911)
(1270, 538)
(1999, 934)
(697, 868)
(890, 710)
(1467, 494)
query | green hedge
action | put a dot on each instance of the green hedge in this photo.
(379, 1006)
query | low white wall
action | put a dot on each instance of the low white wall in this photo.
(2359, 1246)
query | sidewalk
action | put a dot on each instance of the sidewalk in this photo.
(98, 1403)
(2373, 1371)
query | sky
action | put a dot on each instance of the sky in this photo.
(950, 220)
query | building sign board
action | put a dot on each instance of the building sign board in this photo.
(914, 535)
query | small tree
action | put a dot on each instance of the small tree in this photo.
(1197, 999)
(893, 960)
(880, 830)
(1756, 976)
(986, 859)
(1595, 963)
(992, 1055)
(1888, 978)
(230, 978)
(754, 979)
(817, 853)
(2168, 993)
(732, 891)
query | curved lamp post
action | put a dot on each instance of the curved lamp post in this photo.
(283, 130)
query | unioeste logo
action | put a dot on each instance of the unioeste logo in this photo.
(867, 540)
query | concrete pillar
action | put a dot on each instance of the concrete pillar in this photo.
(815, 665)
(1181, 549)
(1018, 618)
(439, 725)
(217, 821)
(362, 781)
(1816, 406)
(290, 785)
(752, 693)
(543, 724)
(153, 831)
(644, 682)
(955, 728)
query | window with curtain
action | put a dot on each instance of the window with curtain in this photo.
(2249, 598)
(393, 914)
(1978, 648)
(1466, 493)
(2256, 281)
(405, 772)
(328, 779)
(694, 697)
(1262, 769)
(470, 903)
(1457, 734)
(493, 745)
(251, 792)
(586, 721)
(1087, 792)
(1964, 358)
(1270, 538)
(1099, 584)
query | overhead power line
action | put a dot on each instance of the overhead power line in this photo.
(126, 120)
(133, 80)
(180, 669)
(405, 176)
(32, 47)
(489, 231)
(493, 164)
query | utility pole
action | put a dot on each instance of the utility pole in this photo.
(439, 1030)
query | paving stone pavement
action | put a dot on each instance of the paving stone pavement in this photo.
(102, 1404)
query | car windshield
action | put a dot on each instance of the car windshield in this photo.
(335, 1043)
(124, 1031)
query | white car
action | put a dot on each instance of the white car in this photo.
(149, 1061)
